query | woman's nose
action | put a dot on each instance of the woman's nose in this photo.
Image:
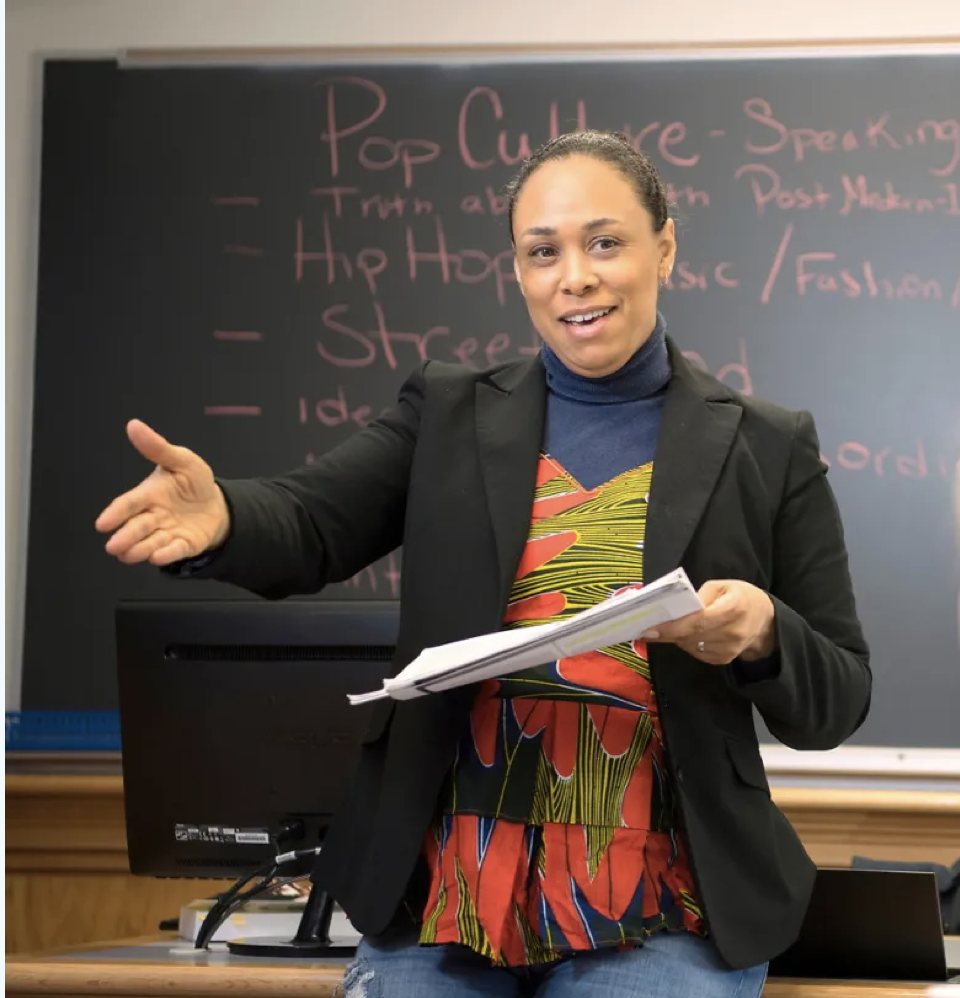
(577, 277)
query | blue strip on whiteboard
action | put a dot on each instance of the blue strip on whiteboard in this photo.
(63, 731)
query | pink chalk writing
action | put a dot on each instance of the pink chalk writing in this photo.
(688, 195)
(363, 347)
(822, 272)
(882, 460)
(947, 132)
(345, 342)
(800, 140)
(858, 193)
(397, 206)
(488, 203)
(327, 256)
(383, 578)
(467, 266)
(492, 354)
(496, 350)
(232, 410)
(405, 188)
(247, 335)
(736, 374)
(247, 201)
(338, 194)
(376, 152)
(376, 205)
(766, 189)
(370, 261)
(334, 411)
(777, 264)
(333, 133)
(673, 133)
(475, 111)
(688, 276)
(878, 132)
(817, 272)
(235, 250)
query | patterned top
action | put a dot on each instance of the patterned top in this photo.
(557, 827)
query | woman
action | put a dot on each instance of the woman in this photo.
(603, 824)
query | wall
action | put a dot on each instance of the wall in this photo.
(104, 27)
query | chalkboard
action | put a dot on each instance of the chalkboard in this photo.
(252, 259)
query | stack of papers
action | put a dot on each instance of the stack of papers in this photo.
(622, 617)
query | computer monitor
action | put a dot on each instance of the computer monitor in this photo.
(235, 726)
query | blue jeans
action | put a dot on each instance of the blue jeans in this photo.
(678, 965)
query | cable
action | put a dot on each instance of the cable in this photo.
(232, 899)
(227, 902)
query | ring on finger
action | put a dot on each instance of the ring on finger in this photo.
(701, 647)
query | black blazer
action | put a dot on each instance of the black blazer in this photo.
(738, 491)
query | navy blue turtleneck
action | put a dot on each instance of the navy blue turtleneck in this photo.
(597, 428)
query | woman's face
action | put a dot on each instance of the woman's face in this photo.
(585, 246)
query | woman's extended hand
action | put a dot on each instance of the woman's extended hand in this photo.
(737, 622)
(177, 511)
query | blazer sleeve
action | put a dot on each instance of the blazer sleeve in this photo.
(322, 523)
(819, 693)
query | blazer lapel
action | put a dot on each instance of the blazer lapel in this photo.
(700, 420)
(510, 417)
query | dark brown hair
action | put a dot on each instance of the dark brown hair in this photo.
(610, 147)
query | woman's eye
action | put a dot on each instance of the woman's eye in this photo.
(605, 243)
(541, 252)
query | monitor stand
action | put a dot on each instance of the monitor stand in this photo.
(312, 940)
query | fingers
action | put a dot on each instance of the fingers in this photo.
(174, 550)
(132, 518)
(154, 447)
(720, 608)
(712, 590)
(723, 611)
(710, 635)
(715, 644)
(677, 630)
(124, 508)
(134, 530)
(159, 548)
(141, 540)
(695, 626)
(712, 654)
(735, 619)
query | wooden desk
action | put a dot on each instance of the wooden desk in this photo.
(68, 880)
(144, 968)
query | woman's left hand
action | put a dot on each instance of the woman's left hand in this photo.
(737, 622)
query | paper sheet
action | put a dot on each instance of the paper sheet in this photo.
(621, 617)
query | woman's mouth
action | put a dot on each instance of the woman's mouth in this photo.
(587, 322)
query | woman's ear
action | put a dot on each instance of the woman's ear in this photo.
(667, 244)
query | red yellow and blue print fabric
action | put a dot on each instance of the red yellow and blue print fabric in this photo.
(557, 828)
